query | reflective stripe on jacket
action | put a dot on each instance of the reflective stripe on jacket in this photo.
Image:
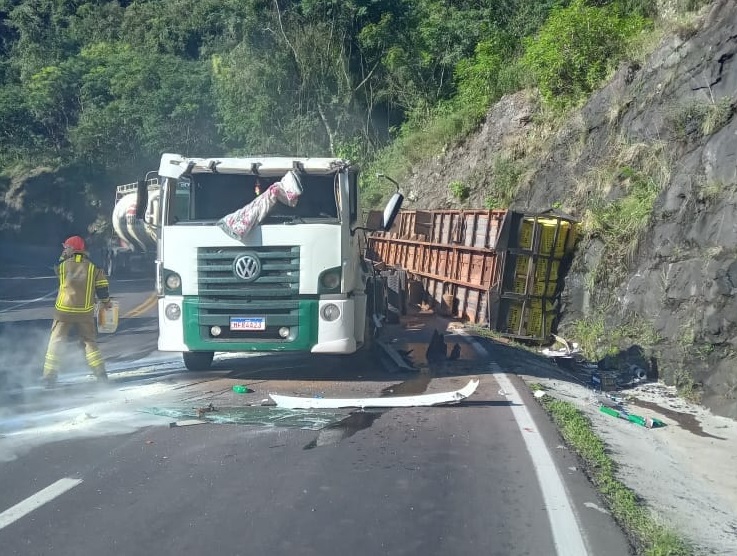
(79, 281)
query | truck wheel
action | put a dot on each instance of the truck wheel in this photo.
(395, 296)
(198, 360)
(370, 333)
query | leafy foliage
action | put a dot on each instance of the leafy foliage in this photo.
(575, 49)
(459, 190)
(108, 86)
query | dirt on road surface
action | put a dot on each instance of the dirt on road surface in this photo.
(685, 472)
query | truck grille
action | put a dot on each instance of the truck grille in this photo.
(273, 294)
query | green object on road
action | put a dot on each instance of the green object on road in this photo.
(609, 411)
(648, 422)
(240, 389)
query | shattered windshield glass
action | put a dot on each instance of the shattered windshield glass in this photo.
(206, 197)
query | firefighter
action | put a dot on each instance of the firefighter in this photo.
(80, 281)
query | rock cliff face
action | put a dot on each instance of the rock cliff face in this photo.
(649, 164)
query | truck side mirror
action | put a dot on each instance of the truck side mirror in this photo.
(141, 199)
(391, 210)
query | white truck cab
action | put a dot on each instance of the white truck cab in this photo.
(298, 281)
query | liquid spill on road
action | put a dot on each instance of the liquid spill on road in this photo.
(685, 420)
(347, 427)
(411, 387)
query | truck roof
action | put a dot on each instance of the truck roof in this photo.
(174, 165)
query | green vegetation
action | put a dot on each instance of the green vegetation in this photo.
(651, 538)
(686, 386)
(617, 199)
(459, 190)
(505, 183)
(98, 90)
(699, 118)
(576, 49)
(598, 338)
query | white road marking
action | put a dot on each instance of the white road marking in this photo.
(24, 302)
(36, 501)
(563, 523)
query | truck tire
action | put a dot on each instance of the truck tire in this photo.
(375, 304)
(395, 295)
(198, 360)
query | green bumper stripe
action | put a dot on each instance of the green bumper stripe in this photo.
(307, 316)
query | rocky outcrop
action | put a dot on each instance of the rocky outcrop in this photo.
(668, 121)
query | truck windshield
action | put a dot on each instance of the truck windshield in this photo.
(209, 197)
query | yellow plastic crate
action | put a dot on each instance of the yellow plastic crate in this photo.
(546, 228)
(522, 264)
(535, 322)
(531, 319)
(537, 288)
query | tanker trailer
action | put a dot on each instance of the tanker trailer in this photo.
(132, 247)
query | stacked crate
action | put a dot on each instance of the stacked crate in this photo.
(532, 279)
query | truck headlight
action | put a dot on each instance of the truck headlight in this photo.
(173, 281)
(330, 312)
(173, 311)
(329, 280)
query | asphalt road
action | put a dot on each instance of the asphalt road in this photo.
(87, 472)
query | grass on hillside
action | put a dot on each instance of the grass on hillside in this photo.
(649, 537)
(598, 339)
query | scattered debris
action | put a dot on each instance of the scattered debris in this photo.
(596, 507)
(539, 393)
(568, 350)
(437, 349)
(187, 423)
(241, 389)
(396, 356)
(647, 422)
(202, 410)
(292, 402)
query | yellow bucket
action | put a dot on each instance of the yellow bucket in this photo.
(107, 319)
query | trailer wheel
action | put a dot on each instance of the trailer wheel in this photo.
(198, 360)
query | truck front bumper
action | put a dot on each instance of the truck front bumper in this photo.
(314, 332)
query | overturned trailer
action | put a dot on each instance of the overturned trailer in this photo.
(499, 268)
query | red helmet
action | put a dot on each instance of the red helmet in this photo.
(75, 242)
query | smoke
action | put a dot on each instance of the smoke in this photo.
(77, 412)
(22, 351)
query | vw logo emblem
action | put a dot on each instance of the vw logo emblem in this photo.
(247, 267)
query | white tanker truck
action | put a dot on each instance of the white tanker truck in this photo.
(132, 247)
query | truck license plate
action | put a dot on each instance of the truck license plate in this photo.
(248, 323)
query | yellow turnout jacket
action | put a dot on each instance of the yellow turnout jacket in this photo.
(79, 282)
